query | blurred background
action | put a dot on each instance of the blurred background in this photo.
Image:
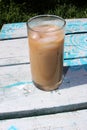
(22, 10)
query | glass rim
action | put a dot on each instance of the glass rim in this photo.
(46, 15)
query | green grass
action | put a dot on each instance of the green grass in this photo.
(13, 11)
(69, 11)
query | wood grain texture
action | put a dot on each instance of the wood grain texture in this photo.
(13, 30)
(71, 94)
(20, 98)
(14, 51)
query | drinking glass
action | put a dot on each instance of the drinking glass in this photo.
(46, 42)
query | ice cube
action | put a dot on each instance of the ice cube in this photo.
(52, 28)
(34, 35)
(48, 39)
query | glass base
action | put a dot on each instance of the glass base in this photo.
(48, 88)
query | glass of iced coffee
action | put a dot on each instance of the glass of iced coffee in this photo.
(46, 43)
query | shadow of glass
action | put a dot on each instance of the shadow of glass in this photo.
(74, 76)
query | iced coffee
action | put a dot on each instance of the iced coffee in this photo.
(46, 44)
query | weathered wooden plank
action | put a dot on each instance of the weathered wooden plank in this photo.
(17, 30)
(75, 46)
(14, 51)
(17, 92)
(13, 30)
(20, 94)
(76, 25)
(13, 74)
(76, 120)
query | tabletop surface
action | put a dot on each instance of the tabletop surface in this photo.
(30, 108)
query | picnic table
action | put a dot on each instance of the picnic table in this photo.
(25, 107)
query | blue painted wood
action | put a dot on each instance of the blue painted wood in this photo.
(13, 30)
(75, 49)
(75, 46)
(76, 25)
(17, 92)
